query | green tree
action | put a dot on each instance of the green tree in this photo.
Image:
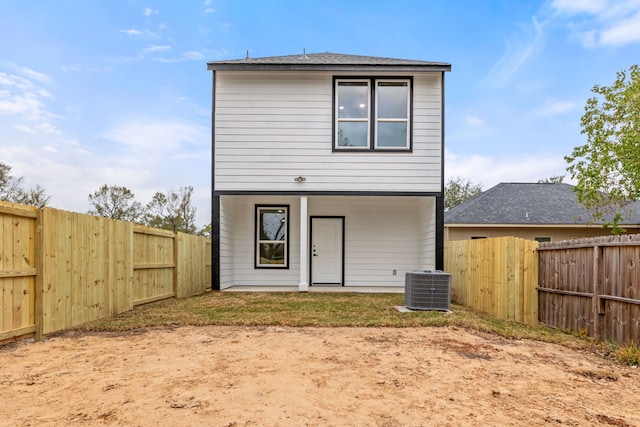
(458, 190)
(34, 197)
(11, 189)
(205, 230)
(555, 179)
(607, 167)
(9, 185)
(115, 202)
(173, 210)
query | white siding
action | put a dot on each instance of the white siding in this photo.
(271, 128)
(227, 212)
(427, 233)
(382, 234)
(243, 264)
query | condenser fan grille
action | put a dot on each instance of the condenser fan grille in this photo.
(427, 290)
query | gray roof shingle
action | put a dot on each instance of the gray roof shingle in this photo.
(527, 203)
(327, 61)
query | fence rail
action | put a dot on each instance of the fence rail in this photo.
(592, 285)
(60, 269)
(497, 276)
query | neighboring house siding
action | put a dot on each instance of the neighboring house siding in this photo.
(273, 127)
(555, 233)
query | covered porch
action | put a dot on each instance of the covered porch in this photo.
(346, 289)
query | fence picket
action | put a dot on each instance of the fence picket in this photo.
(59, 269)
(605, 283)
(495, 276)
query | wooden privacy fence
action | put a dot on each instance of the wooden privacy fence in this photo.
(497, 276)
(60, 269)
(592, 285)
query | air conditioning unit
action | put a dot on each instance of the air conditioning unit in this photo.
(427, 290)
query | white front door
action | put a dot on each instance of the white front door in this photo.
(326, 251)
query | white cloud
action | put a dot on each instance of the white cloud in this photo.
(34, 75)
(148, 11)
(156, 48)
(159, 136)
(186, 56)
(601, 22)
(192, 55)
(25, 99)
(520, 48)
(489, 171)
(579, 6)
(134, 32)
(555, 107)
(624, 31)
(131, 32)
(474, 121)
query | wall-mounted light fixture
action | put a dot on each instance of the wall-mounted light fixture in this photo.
(300, 179)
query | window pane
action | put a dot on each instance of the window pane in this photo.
(353, 100)
(392, 134)
(392, 100)
(272, 224)
(352, 134)
(272, 253)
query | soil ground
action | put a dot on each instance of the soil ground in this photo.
(274, 376)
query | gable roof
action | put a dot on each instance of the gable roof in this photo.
(527, 203)
(326, 61)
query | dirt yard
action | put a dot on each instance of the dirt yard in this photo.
(236, 376)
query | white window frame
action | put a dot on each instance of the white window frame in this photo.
(372, 114)
(258, 241)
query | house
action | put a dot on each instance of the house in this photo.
(327, 170)
(542, 211)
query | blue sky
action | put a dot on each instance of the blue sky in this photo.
(116, 92)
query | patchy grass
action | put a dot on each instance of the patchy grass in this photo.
(628, 355)
(314, 309)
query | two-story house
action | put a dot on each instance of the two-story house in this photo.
(327, 170)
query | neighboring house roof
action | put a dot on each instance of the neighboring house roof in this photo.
(327, 61)
(527, 203)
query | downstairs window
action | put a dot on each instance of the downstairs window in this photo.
(272, 236)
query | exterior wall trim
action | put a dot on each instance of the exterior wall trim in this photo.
(215, 199)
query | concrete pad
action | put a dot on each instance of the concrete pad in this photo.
(405, 309)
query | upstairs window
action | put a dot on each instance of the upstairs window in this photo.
(272, 237)
(372, 114)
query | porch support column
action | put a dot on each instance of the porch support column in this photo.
(304, 246)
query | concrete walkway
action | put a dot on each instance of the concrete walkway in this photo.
(355, 289)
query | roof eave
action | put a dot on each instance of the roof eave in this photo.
(531, 225)
(328, 67)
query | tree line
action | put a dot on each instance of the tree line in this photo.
(171, 210)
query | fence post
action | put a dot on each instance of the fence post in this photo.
(38, 315)
(596, 302)
(176, 259)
